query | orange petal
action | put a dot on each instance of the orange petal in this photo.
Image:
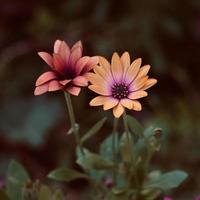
(64, 82)
(144, 71)
(90, 64)
(54, 86)
(125, 59)
(57, 46)
(149, 83)
(138, 83)
(80, 81)
(137, 94)
(45, 77)
(41, 89)
(47, 58)
(75, 56)
(133, 70)
(116, 68)
(58, 63)
(81, 64)
(127, 103)
(105, 64)
(95, 79)
(101, 72)
(109, 103)
(77, 44)
(137, 106)
(74, 90)
(118, 110)
(100, 90)
(98, 101)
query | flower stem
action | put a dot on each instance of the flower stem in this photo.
(114, 151)
(74, 125)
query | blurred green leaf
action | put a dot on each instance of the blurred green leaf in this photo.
(58, 195)
(45, 193)
(95, 129)
(168, 180)
(3, 195)
(135, 125)
(65, 174)
(16, 179)
(94, 161)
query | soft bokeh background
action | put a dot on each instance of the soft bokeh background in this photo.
(165, 33)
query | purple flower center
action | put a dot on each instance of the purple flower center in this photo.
(120, 91)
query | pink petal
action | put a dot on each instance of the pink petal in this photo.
(64, 82)
(47, 58)
(57, 46)
(75, 56)
(64, 51)
(90, 64)
(74, 90)
(81, 63)
(80, 81)
(54, 85)
(77, 44)
(58, 63)
(45, 77)
(41, 89)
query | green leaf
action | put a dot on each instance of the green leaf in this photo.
(167, 180)
(16, 179)
(45, 193)
(58, 195)
(106, 147)
(65, 174)
(95, 129)
(126, 147)
(3, 195)
(94, 161)
(135, 125)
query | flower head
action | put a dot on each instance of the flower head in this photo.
(68, 69)
(120, 83)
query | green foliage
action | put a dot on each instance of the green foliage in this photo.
(45, 193)
(65, 174)
(17, 177)
(168, 180)
(94, 130)
(3, 195)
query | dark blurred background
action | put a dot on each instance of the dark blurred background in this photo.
(165, 33)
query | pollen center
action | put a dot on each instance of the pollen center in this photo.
(120, 91)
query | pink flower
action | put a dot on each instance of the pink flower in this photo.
(68, 69)
(167, 198)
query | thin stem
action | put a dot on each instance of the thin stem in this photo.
(114, 151)
(74, 125)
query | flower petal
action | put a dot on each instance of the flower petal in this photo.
(125, 59)
(98, 101)
(57, 46)
(144, 71)
(58, 63)
(41, 89)
(47, 58)
(54, 86)
(64, 82)
(149, 83)
(105, 64)
(116, 68)
(101, 72)
(137, 94)
(75, 56)
(77, 44)
(100, 90)
(118, 110)
(73, 90)
(109, 103)
(133, 70)
(45, 77)
(138, 83)
(80, 81)
(127, 103)
(90, 64)
(81, 63)
(64, 51)
(137, 105)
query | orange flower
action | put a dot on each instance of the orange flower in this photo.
(120, 83)
(68, 69)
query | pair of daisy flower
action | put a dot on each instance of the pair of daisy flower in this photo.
(118, 84)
